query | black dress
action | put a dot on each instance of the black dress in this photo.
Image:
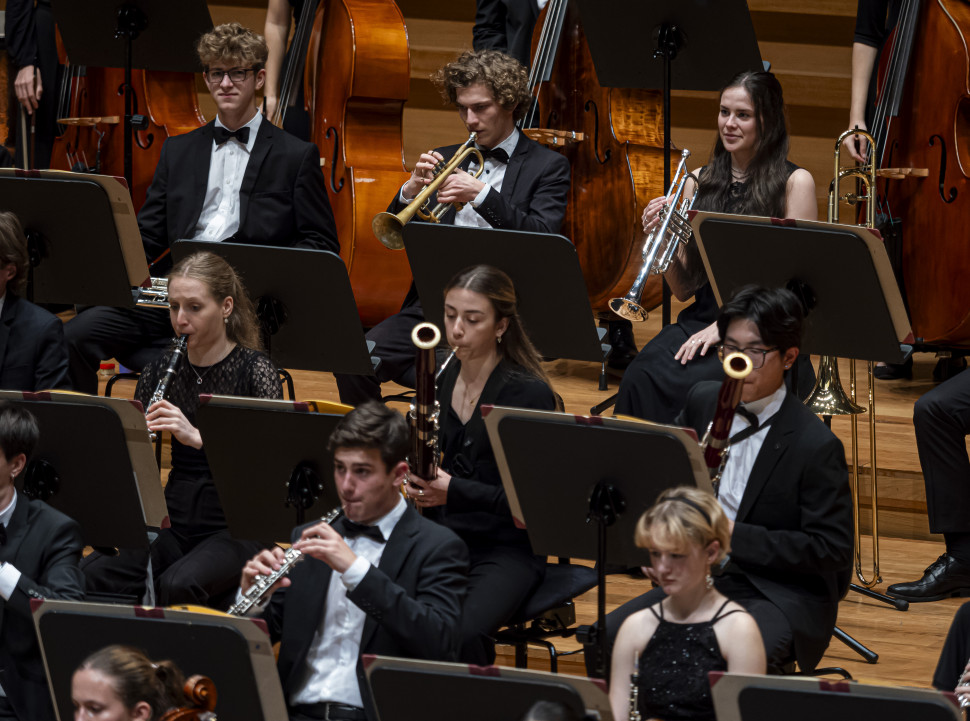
(195, 560)
(503, 571)
(655, 385)
(674, 666)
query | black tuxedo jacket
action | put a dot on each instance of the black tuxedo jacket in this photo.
(282, 201)
(45, 546)
(33, 354)
(533, 198)
(506, 25)
(793, 532)
(412, 600)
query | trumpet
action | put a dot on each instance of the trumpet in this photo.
(261, 584)
(662, 242)
(389, 227)
(154, 296)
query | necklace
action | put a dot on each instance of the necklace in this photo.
(739, 175)
(200, 377)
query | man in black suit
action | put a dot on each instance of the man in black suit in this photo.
(33, 355)
(238, 179)
(523, 186)
(506, 25)
(785, 488)
(380, 580)
(39, 553)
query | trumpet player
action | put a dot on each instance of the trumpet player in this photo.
(749, 174)
(380, 580)
(523, 186)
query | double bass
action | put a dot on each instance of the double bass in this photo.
(358, 76)
(618, 166)
(933, 133)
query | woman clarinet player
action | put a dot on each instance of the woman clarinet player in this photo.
(748, 174)
(195, 561)
(694, 629)
(494, 363)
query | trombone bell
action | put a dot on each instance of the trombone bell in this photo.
(828, 397)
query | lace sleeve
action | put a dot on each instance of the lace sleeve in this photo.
(147, 381)
(264, 378)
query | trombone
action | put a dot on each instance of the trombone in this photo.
(829, 398)
(389, 227)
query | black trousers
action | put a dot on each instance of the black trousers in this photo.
(135, 336)
(776, 633)
(500, 579)
(397, 353)
(955, 652)
(45, 117)
(941, 419)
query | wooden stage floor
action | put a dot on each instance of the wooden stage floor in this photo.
(908, 643)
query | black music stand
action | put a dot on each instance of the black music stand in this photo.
(746, 697)
(482, 693)
(113, 506)
(304, 302)
(843, 277)
(552, 299)
(89, 251)
(605, 473)
(264, 495)
(711, 42)
(102, 33)
(236, 653)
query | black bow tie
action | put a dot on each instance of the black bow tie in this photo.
(496, 154)
(353, 529)
(222, 135)
(747, 415)
(3, 535)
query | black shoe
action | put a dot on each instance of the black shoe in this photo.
(624, 347)
(944, 578)
(893, 371)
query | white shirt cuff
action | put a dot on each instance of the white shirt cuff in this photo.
(401, 198)
(482, 194)
(9, 577)
(355, 574)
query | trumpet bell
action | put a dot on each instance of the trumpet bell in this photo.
(629, 309)
(828, 397)
(389, 230)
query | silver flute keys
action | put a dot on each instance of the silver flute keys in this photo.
(635, 688)
(262, 584)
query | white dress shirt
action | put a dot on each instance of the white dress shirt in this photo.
(743, 454)
(492, 176)
(227, 167)
(9, 575)
(331, 672)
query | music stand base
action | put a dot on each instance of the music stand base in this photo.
(867, 655)
(898, 603)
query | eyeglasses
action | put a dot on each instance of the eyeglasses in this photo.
(236, 75)
(757, 355)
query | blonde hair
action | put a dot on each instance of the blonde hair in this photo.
(683, 516)
(232, 43)
(13, 249)
(222, 281)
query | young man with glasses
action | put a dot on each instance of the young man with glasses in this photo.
(237, 179)
(785, 489)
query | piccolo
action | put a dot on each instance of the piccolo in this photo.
(256, 593)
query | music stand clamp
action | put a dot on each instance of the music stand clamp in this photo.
(599, 473)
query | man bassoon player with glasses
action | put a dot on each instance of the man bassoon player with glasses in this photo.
(237, 179)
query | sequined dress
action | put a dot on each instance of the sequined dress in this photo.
(674, 666)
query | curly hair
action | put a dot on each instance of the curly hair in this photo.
(222, 281)
(504, 76)
(13, 249)
(232, 44)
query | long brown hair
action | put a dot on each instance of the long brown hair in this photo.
(516, 348)
(136, 678)
(222, 281)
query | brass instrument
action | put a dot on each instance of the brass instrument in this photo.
(179, 344)
(716, 442)
(829, 398)
(635, 688)
(661, 243)
(262, 584)
(389, 227)
(155, 296)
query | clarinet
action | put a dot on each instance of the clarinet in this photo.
(716, 441)
(178, 350)
(261, 585)
(635, 689)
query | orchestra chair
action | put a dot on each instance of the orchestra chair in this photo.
(549, 612)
